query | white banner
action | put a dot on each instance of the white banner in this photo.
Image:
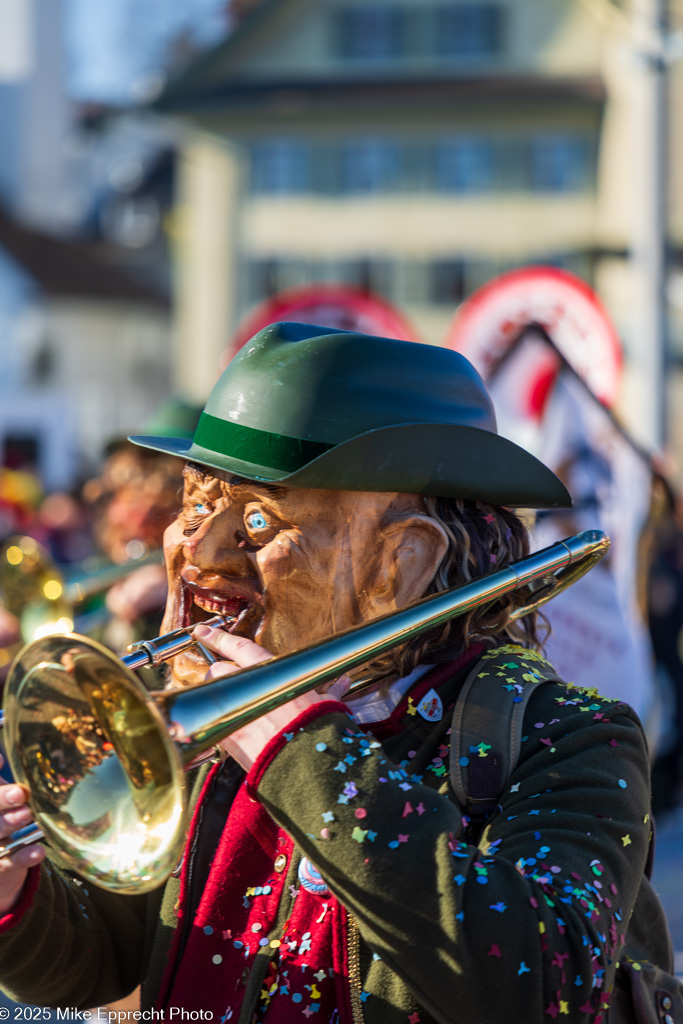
(599, 638)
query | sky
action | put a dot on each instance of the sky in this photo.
(115, 47)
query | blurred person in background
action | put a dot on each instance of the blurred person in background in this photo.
(133, 500)
(63, 526)
(10, 636)
(20, 495)
(118, 519)
(665, 621)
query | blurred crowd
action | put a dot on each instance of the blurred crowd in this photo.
(91, 559)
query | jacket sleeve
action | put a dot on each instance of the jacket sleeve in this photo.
(524, 926)
(71, 944)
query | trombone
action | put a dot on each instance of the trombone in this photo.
(44, 599)
(104, 759)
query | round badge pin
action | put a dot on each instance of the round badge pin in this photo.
(311, 879)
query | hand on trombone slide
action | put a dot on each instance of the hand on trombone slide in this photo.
(245, 744)
(15, 813)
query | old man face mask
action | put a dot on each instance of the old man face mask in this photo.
(298, 565)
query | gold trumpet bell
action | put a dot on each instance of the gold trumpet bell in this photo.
(106, 782)
(33, 589)
(47, 600)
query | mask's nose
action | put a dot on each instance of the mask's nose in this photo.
(214, 545)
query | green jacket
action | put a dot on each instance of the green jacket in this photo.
(525, 925)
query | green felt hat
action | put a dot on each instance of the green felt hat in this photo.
(314, 407)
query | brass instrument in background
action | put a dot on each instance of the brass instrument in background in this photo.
(104, 758)
(47, 601)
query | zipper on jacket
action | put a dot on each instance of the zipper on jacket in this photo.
(190, 900)
(355, 986)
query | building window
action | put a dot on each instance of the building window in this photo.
(266, 277)
(453, 279)
(464, 164)
(370, 165)
(280, 166)
(555, 162)
(447, 280)
(468, 30)
(370, 32)
(369, 275)
(560, 163)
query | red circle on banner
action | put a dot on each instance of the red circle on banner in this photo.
(330, 305)
(490, 321)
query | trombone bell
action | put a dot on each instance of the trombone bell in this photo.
(105, 780)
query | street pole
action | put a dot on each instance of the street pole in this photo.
(650, 213)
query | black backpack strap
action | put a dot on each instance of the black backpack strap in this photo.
(486, 735)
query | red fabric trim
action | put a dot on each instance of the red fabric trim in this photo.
(13, 916)
(433, 679)
(275, 745)
(173, 952)
(235, 915)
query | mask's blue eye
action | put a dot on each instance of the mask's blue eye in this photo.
(201, 509)
(256, 521)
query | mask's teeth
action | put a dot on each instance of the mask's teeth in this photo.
(218, 606)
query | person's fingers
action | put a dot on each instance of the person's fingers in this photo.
(10, 821)
(220, 669)
(238, 649)
(12, 796)
(24, 858)
(14, 810)
(15, 813)
(339, 688)
(13, 873)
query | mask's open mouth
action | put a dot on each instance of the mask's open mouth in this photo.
(200, 603)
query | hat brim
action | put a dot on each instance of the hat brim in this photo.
(446, 460)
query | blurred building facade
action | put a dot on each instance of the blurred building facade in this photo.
(36, 171)
(416, 148)
(84, 353)
(413, 148)
(83, 341)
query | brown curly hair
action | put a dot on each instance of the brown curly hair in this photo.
(482, 538)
